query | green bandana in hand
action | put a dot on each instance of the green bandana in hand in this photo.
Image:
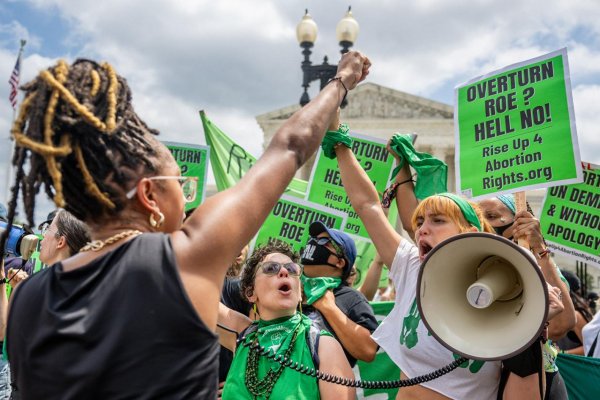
(333, 138)
(315, 288)
(432, 173)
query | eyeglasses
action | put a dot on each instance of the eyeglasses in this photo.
(46, 229)
(189, 186)
(322, 241)
(273, 268)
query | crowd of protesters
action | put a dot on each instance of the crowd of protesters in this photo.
(138, 299)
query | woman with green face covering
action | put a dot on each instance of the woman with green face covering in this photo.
(271, 281)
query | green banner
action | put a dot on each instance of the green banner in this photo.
(230, 161)
(515, 129)
(193, 161)
(581, 376)
(290, 218)
(325, 184)
(570, 218)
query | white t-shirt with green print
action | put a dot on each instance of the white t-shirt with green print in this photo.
(406, 340)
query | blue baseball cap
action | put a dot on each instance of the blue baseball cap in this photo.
(341, 239)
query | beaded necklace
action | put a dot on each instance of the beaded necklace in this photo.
(264, 386)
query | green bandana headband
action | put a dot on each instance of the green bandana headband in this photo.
(315, 288)
(466, 209)
(333, 138)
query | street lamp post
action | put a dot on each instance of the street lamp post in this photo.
(306, 33)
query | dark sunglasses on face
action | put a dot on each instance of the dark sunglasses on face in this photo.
(273, 268)
(322, 241)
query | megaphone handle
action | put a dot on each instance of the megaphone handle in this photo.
(521, 205)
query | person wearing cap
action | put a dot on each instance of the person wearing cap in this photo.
(328, 259)
(402, 334)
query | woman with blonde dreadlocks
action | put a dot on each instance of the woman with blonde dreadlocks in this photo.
(133, 315)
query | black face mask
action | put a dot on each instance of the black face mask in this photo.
(316, 254)
(500, 229)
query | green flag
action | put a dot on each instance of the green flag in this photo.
(230, 161)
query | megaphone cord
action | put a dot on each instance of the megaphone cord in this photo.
(338, 380)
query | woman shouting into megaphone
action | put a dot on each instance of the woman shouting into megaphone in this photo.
(402, 334)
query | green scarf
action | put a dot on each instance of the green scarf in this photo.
(281, 382)
(333, 138)
(315, 288)
(432, 173)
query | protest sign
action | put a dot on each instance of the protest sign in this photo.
(193, 161)
(515, 129)
(570, 219)
(289, 220)
(325, 184)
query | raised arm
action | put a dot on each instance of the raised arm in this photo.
(371, 282)
(223, 224)
(406, 201)
(365, 201)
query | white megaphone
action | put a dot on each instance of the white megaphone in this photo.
(482, 296)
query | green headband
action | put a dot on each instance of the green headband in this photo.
(466, 209)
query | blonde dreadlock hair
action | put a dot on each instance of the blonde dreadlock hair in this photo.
(79, 135)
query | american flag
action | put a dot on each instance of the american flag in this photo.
(14, 80)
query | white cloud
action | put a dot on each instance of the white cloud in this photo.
(239, 58)
(586, 99)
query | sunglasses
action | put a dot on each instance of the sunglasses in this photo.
(189, 186)
(273, 268)
(322, 241)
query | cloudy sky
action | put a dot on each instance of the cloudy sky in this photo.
(239, 58)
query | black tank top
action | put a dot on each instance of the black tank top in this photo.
(121, 327)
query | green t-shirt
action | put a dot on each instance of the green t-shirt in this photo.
(277, 335)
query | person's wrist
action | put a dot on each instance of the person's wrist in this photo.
(543, 252)
(340, 83)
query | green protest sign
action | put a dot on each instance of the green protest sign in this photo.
(193, 161)
(325, 184)
(570, 219)
(290, 218)
(515, 129)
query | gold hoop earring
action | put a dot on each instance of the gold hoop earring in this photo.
(154, 223)
(255, 311)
